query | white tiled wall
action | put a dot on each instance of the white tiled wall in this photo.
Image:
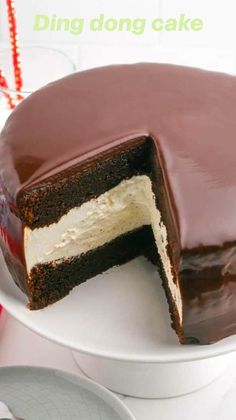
(219, 18)
(213, 48)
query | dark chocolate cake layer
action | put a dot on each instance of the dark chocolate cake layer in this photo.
(188, 115)
(50, 282)
(45, 203)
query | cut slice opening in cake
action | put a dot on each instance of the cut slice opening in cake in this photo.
(123, 209)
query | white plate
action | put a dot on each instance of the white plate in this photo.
(43, 394)
(121, 314)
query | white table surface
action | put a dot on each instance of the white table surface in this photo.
(20, 346)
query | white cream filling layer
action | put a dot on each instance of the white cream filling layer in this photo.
(126, 207)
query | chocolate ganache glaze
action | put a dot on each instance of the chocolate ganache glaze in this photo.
(190, 116)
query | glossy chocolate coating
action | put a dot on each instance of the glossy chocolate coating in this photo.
(190, 115)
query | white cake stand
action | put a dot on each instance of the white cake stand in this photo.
(118, 327)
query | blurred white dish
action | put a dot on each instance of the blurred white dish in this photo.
(37, 393)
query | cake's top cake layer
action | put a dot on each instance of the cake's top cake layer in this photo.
(190, 114)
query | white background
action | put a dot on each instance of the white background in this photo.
(213, 48)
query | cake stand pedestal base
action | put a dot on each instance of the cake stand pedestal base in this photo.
(152, 380)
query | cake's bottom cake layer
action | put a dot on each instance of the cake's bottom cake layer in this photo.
(51, 281)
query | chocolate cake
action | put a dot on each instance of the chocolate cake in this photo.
(111, 163)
